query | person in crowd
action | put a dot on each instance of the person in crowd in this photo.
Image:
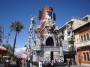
(23, 63)
(18, 62)
(8, 62)
(69, 62)
(40, 63)
(52, 63)
(31, 63)
(73, 61)
(28, 62)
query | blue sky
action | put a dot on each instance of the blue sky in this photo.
(21, 10)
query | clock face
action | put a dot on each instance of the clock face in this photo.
(48, 15)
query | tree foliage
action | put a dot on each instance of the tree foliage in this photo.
(17, 27)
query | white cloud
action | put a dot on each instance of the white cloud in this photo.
(19, 50)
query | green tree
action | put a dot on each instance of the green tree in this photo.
(9, 48)
(17, 27)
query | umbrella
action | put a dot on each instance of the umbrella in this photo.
(24, 55)
(3, 50)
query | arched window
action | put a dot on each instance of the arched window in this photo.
(87, 54)
(81, 38)
(87, 36)
(84, 56)
(49, 41)
(84, 37)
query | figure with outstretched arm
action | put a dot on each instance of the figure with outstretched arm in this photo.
(32, 23)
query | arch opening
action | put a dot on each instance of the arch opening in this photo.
(49, 41)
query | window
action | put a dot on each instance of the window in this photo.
(84, 56)
(84, 37)
(87, 36)
(88, 56)
(81, 38)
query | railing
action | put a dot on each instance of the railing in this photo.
(51, 48)
(86, 43)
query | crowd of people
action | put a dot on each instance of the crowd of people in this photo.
(24, 62)
(49, 64)
(28, 63)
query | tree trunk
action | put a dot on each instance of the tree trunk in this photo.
(14, 42)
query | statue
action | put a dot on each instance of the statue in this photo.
(32, 23)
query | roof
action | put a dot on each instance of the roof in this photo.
(82, 26)
(73, 19)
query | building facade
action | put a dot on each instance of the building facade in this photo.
(71, 41)
(66, 33)
(47, 46)
(82, 43)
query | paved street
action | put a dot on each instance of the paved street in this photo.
(13, 65)
(67, 66)
(77, 66)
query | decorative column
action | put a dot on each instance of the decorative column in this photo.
(61, 55)
(61, 52)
